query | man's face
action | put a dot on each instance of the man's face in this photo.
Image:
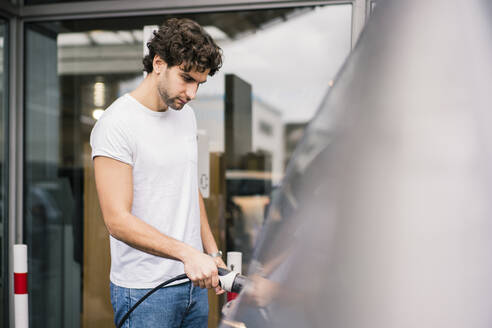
(177, 87)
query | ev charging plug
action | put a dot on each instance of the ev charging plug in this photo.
(231, 281)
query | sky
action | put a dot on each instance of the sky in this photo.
(289, 63)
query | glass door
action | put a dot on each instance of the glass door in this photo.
(77, 68)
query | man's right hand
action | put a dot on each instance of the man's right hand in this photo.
(201, 269)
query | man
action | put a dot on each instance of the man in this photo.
(145, 159)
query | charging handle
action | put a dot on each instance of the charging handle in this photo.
(227, 279)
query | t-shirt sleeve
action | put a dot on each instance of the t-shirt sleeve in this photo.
(110, 138)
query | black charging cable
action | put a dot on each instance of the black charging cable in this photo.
(152, 291)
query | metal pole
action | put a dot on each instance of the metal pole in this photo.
(21, 315)
(15, 143)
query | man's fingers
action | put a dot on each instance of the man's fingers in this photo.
(219, 290)
(196, 283)
(215, 281)
(212, 278)
(206, 282)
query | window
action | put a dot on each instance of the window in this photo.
(266, 128)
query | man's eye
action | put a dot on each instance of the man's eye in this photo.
(188, 79)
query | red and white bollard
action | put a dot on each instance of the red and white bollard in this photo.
(234, 263)
(20, 287)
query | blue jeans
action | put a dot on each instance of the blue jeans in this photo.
(182, 305)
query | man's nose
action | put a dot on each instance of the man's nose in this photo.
(191, 90)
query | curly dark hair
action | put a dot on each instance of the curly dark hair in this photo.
(183, 41)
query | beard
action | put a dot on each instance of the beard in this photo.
(172, 102)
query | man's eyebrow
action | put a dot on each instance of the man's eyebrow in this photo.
(188, 76)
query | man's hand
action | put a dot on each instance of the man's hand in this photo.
(220, 264)
(201, 269)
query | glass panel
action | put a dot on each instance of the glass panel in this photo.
(52, 197)
(4, 290)
(75, 69)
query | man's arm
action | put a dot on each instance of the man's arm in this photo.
(114, 185)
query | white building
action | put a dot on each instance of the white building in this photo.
(267, 125)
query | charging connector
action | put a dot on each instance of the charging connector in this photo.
(231, 281)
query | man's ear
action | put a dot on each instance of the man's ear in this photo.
(158, 64)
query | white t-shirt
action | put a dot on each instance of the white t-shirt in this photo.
(161, 147)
